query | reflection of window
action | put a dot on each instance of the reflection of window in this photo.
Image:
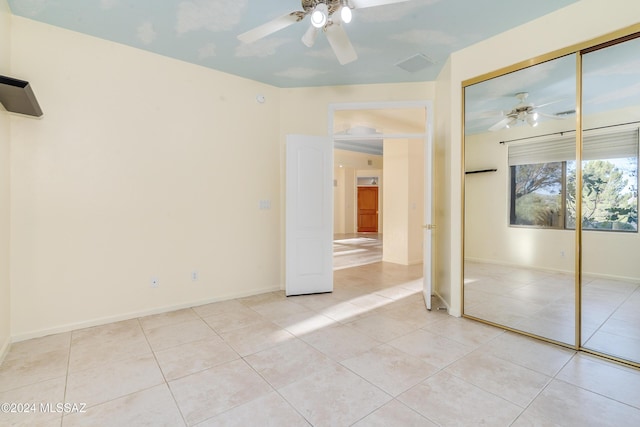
(609, 194)
(543, 182)
(537, 194)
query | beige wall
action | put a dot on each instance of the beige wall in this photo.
(576, 23)
(5, 305)
(446, 262)
(141, 159)
(395, 245)
(343, 183)
(306, 110)
(142, 167)
(415, 203)
(488, 236)
(403, 202)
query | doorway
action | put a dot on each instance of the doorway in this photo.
(370, 128)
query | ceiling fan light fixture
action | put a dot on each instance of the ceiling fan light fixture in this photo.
(320, 15)
(345, 12)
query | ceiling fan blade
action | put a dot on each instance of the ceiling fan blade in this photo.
(547, 103)
(340, 44)
(502, 123)
(360, 4)
(271, 27)
(551, 116)
(310, 36)
(478, 115)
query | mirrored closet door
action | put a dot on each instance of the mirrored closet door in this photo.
(610, 293)
(551, 241)
(519, 230)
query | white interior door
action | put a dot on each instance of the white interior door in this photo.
(309, 215)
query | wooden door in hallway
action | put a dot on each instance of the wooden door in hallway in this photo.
(367, 209)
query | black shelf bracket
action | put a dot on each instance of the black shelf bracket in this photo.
(481, 171)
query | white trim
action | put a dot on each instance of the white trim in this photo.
(133, 315)
(381, 105)
(341, 137)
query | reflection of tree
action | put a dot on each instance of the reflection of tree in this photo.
(604, 199)
(537, 191)
(540, 176)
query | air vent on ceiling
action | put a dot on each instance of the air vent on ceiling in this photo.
(17, 97)
(415, 63)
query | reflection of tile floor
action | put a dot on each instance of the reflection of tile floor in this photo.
(367, 354)
(542, 303)
(353, 250)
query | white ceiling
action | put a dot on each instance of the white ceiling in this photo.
(205, 32)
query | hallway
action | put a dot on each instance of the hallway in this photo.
(356, 249)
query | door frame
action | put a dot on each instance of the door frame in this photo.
(427, 136)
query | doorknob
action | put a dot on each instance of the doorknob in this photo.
(429, 226)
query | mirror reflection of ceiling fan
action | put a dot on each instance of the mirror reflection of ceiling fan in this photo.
(328, 16)
(527, 112)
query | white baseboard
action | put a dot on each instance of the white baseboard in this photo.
(633, 280)
(511, 264)
(403, 262)
(131, 315)
(554, 270)
(447, 306)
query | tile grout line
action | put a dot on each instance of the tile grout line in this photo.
(551, 379)
(166, 383)
(66, 378)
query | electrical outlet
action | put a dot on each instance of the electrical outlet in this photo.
(155, 282)
(194, 275)
(265, 204)
(562, 254)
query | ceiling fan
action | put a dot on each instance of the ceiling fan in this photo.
(325, 15)
(526, 112)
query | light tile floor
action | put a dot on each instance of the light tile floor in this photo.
(368, 354)
(355, 249)
(543, 303)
